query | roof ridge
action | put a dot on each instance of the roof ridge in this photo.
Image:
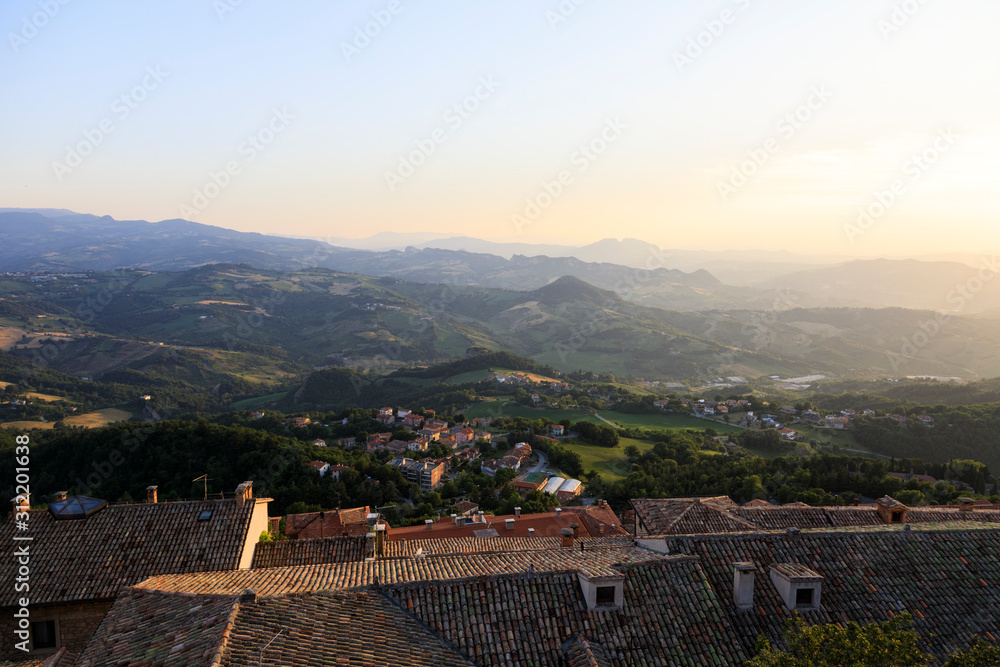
(226, 634)
(406, 612)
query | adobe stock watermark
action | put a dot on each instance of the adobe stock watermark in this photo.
(365, 34)
(121, 109)
(223, 8)
(32, 25)
(960, 295)
(913, 170)
(902, 13)
(248, 150)
(786, 128)
(562, 13)
(454, 117)
(713, 29)
(581, 159)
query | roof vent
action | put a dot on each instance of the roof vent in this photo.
(509, 523)
(76, 507)
(798, 586)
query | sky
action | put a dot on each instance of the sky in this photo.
(862, 127)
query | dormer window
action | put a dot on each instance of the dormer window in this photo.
(602, 593)
(205, 515)
(798, 586)
(605, 595)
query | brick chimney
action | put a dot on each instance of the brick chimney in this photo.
(575, 527)
(966, 504)
(743, 576)
(151, 494)
(59, 495)
(244, 493)
(567, 537)
(22, 503)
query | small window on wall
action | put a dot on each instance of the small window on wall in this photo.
(897, 517)
(803, 597)
(43, 635)
(605, 595)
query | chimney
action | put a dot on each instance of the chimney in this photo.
(575, 527)
(244, 493)
(600, 529)
(151, 494)
(966, 504)
(857, 501)
(509, 524)
(531, 532)
(429, 523)
(59, 495)
(248, 597)
(454, 519)
(743, 575)
(567, 537)
(482, 517)
(22, 503)
(558, 512)
(517, 511)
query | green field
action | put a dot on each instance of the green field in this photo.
(666, 421)
(248, 403)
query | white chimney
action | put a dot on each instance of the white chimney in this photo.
(558, 511)
(429, 523)
(517, 511)
(531, 532)
(509, 523)
(454, 519)
(743, 576)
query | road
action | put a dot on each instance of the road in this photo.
(543, 461)
(610, 423)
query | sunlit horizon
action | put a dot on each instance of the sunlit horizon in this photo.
(859, 130)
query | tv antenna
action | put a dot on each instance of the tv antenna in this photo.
(206, 478)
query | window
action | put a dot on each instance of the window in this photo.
(605, 595)
(43, 635)
(205, 516)
(803, 597)
(897, 517)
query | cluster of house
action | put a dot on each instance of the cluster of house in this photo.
(512, 460)
(692, 581)
(703, 408)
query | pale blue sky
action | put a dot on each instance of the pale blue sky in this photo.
(667, 176)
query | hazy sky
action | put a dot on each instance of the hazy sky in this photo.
(732, 123)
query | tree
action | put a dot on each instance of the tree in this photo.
(889, 644)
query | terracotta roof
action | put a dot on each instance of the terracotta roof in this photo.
(340, 628)
(308, 578)
(331, 523)
(544, 524)
(670, 616)
(593, 517)
(61, 658)
(579, 653)
(148, 628)
(948, 580)
(284, 553)
(696, 516)
(94, 558)
(470, 545)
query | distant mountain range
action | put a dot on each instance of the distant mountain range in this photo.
(60, 240)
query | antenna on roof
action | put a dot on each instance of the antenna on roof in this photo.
(204, 477)
(260, 655)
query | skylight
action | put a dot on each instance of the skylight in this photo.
(76, 507)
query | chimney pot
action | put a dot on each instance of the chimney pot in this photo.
(151, 494)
